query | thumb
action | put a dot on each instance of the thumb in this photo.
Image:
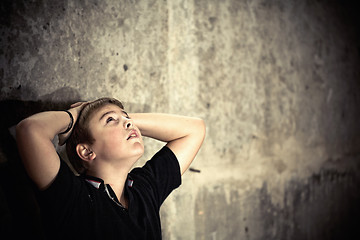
(76, 104)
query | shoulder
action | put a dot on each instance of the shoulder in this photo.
(159, 175)
(163, 160)
(65, 184)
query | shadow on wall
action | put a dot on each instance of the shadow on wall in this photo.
(19, 212)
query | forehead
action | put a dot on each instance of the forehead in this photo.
(107, 109)
(108, 106)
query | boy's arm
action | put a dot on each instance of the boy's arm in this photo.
(184, 135)
(34, 137)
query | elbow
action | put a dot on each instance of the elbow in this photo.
(21, 128)
(201, 126)
(24, 124)
(24, 128)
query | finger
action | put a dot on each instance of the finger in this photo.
(76, 104)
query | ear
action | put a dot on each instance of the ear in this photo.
(85, 153)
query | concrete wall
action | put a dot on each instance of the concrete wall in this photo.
(277, 83)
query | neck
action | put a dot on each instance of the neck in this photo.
(116, 178)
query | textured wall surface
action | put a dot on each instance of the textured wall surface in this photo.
(277, 83)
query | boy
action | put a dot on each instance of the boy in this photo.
(105, 201)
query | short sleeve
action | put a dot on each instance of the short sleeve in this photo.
(60, 196)
(163, 172)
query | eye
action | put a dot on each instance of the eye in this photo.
(109, 119)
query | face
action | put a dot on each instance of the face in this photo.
(117, 139)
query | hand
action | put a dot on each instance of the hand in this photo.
(75, 110)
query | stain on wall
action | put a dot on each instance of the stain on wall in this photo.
(277, 83)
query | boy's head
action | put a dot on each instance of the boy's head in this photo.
(81, 132)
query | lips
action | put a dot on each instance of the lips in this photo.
(133, 134)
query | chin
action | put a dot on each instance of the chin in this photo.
(140, 151)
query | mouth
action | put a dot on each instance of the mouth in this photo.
(133, 134)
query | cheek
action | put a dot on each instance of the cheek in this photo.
(108, 143)
(114, 143)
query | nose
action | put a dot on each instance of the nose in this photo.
(128, 124)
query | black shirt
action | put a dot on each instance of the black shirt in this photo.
(84, 207)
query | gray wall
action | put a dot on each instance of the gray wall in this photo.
(277, 83)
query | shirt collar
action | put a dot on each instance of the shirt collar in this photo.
(98, 183)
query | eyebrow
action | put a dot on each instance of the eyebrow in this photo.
(127, 115)
(110, 112)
